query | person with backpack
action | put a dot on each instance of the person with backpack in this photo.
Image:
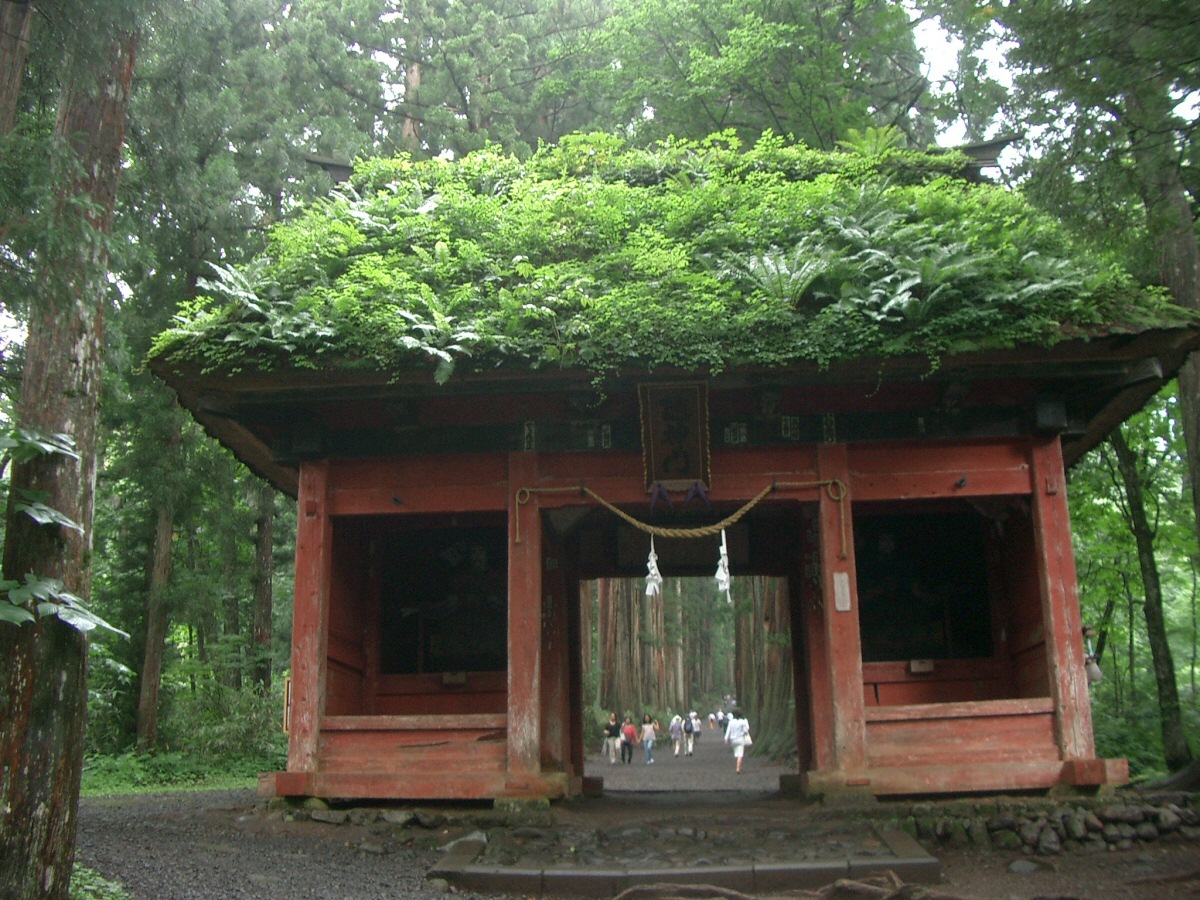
(689, 733)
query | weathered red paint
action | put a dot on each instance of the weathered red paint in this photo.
(310, 618)
(1060, 603)
(909, 472)
(987, 724)
(841, 624)
(555, 681)
(524, 619)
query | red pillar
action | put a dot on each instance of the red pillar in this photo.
(524, 621)
(310, 617)
(839, 624)
(556, 710)
(817, 683)
(1060, 602)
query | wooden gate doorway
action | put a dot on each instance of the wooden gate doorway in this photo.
(690, 646)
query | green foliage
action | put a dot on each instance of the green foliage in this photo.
(110, 683)
(35, 597)
(220, 722)
(48, 597)
(1124, 705)
(131, 773)
(217, 737)
(693, 254)
(88, 884)
(872, 141)
(690, 67)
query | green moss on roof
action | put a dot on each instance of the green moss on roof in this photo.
(703, 255)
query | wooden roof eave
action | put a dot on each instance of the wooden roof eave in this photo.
(1126, 368)
(250, 450)
(195, 384)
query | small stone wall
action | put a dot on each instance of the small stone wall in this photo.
(1047, 827)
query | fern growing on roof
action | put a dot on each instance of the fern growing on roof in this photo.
(700, 255)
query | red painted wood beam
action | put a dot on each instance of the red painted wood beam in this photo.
(524, 620)
(433, 497)
(555, 695)
(839, 595)
(903, 471)
(310, 616)
(1060, 602)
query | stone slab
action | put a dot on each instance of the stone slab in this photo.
(787, 876)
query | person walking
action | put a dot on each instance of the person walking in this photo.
(648, 734)
(737, 736)
(629, 737)
(676, 730)
(689, 734)
(612, 738)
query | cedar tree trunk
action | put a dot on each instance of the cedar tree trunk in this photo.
(156, 629)
(43, 696)
(263, 571)
(1175, 746)
(15, 18)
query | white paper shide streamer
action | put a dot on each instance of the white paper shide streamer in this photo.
(723, 577)
(654, 578)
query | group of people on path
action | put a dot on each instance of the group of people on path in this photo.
(623, 736)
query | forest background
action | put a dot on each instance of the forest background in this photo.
(143, 144)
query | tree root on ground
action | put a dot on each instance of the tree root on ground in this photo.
(884, 886)
(1193, 875)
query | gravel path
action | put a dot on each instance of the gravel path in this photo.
(229, 844)
(222, 844)
(710, 768)
(225, 844)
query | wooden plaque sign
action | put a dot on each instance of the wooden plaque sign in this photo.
(675, 441)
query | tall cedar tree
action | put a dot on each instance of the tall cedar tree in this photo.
(43, 697)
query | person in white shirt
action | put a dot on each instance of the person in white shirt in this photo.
(737, 736)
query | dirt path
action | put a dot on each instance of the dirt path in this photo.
(229, 844)
(710, 768)
(226, 844)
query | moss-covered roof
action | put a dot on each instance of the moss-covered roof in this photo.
(700, 256)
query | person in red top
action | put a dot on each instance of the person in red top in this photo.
(629, 737)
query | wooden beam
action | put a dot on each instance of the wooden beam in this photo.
(839, 598)
(960, 778)
(524, 620)
(810, 681)
(416, 785)
(1060, 602)
(310, 617)
(423, 723)
(555, 675)
(969, 709)
(577, 750)
(431, 498)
